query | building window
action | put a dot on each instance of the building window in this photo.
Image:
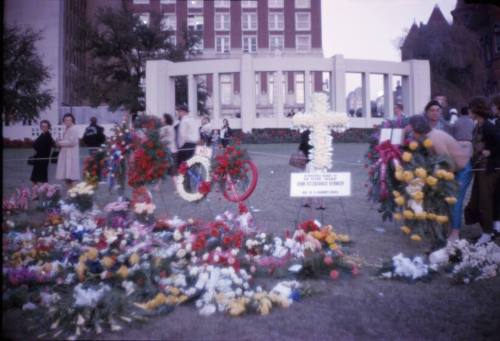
(303, 43)
(222, 3)
(249, 44)
(299, 88)
(275, 3)
(195, 23)
(169, 22)
(249, 4)
(226, 89)
(302, 3)
(302, 21)
(172, 39)
(141, 2)
(249, 21)
(276, 21)
(144, 18)
(222, 22)
(222, 44)
(167, 2)
(276, 42)
(195, 3)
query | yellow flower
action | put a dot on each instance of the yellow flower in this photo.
(431, 181)
(122, 271)
(406, 157)
(449, 176)
(80, 271)
(416, 237)
(399, 201)
(440, 173)
(442, 219)
(398, 175)
(333, 246)
(405, 229)
(420, 215)
(431, 216)
(421, 172)
(408, 214)
(134, 259)
(397, 216)
(427, 143)
(408, 176)
(108, 262)
(92, 253)
(413, 145)
(396, 194)
(418, 196)
(450, 200)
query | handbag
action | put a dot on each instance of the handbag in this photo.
(31, 160)
(298, 160)
(54, 155)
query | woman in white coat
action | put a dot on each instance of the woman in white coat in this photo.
(68, 162)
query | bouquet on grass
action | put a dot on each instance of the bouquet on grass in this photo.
(381, 160)
(427, 192)
(94, 165)
(81, 195)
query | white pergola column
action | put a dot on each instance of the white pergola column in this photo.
(307, 89)
(160, 88)
(366, 97)
(420, 80)
(388, 96)
(407, 100)
(337, 89)
(278, 97)
(247, 91)
(192, 95)
(216, 99)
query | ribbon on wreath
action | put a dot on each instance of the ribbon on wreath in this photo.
(387, 153)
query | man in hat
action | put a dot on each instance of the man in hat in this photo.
(188, 133)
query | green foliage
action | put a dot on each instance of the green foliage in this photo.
(24, 75)
(119, 45)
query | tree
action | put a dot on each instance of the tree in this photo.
(24, 76)
(457, 66)
(119, 45)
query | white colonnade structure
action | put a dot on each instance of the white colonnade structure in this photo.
(160, 86)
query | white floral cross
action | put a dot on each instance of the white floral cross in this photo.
(320, 121)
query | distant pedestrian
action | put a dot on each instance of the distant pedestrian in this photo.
(43, 146)
(94, 137)
(206, 131)
(68, 162)
(225, 133)
(188, 134)
(433, 114)
(167, 136)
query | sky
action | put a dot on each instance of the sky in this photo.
(368, 29)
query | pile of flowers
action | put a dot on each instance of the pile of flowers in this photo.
(426, 192)
(18, 201)
(118, 149)
(82, 272)
(81, 195)
(381, 161)
(150, 159)
(404, 268)
(467, 262)
(47, 194)
(230, 162)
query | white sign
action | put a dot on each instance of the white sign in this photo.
(320, 184)
(394, 135)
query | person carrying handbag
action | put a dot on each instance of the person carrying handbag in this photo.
(40, 161)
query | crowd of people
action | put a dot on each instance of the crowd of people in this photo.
(181, 138)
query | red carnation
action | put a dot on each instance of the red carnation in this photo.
(183, 168)
(204, 187)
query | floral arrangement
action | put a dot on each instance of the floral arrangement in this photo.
(230, 162)
(18, 201)
(149, 159)
(320, 121)
(81, 195)
(404, 268)
(118, 149)
(426, 194)
(204, 187)
(381, 162)
(48, 195)
(93, 166)
(467, 262)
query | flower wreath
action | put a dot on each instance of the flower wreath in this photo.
(203, 189)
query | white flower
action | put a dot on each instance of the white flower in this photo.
(208, 309)
(181, 253)
(177, 235)
(88, 297)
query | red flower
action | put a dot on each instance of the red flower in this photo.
(204, 187)
(227, 240)
(214, 232)
(242, 208)
(309, 226)
(183, 168)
